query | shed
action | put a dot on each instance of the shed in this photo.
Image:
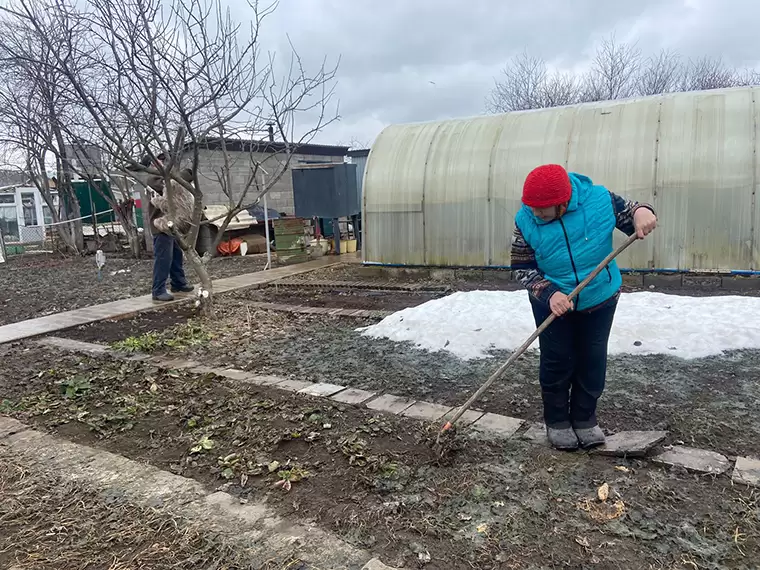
(446, 193)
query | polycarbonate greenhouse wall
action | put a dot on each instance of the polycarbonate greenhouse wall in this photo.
(445, 193)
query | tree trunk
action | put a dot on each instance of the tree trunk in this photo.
(123, 211)
(206, 297)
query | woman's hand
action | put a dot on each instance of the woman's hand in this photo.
(644, 221)
(560, 304)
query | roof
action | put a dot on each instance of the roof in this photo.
(13, 178)
(265, 146)
(356, 153)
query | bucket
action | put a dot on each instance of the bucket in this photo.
(350, 246)
(344, 246)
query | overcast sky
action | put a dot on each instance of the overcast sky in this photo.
(420, 60)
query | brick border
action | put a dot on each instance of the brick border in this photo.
(745, 470)
(361, 285)
(330, 311)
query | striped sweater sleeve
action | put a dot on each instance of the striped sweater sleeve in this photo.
(624, 210)
(527, 271)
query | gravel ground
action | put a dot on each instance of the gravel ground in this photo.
(374, 479)
(37, 285)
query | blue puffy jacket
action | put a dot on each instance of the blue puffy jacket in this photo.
(568, 249)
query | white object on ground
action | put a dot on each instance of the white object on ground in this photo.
(100, 258)
(469, 325)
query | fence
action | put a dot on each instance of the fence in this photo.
(41, 238)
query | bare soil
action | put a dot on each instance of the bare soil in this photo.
(709, 402)
(36, 285)
(376, 480)
(340, 297)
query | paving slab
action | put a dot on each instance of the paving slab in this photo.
(468, 418)
(496, 424)
(631, 443)
(747, 471)
(174, 363)
(73, 345)
(426, 411)
(322, 389)
(264, 380)
(294, 385)
(390, 403)
(353, 396)
(202, 369)
(232, 374)
(694, 459)
(9, 426)
(536, 433)
(375, 564)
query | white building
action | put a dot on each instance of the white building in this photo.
(23, 214)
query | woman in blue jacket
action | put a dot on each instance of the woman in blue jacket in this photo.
(562, 232)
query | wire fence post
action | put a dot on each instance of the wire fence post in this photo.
(266, 233)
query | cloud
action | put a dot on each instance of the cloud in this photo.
(421, 60)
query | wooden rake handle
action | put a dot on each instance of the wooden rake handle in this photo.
(549, 320)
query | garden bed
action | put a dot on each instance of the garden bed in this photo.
(376, 480)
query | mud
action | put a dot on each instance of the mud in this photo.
(374, 478)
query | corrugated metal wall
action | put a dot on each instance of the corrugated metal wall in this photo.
(361, 164)
(446, 193)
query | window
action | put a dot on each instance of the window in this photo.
(9, 222)
(47, 217)
(7, 198)
(29, 206)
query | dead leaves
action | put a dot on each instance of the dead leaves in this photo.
(602, 509)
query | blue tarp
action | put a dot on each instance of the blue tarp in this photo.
(257, 212)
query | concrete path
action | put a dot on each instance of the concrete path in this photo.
(60, 321)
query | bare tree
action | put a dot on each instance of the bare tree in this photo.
(660, 73)
(527, 84)
(32, 118)
(618, 71)
(708, 73)
(168, 78)
(520, 85)
(747, 77)
(613, 72)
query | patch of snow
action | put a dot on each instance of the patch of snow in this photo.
(469, 325)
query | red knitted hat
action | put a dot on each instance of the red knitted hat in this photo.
(546, 186)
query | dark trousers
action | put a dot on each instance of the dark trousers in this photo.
(573, 363)
(167, 263)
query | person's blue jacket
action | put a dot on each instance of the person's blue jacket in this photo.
(568, 249)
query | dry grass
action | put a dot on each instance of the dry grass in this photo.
(50, 524)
